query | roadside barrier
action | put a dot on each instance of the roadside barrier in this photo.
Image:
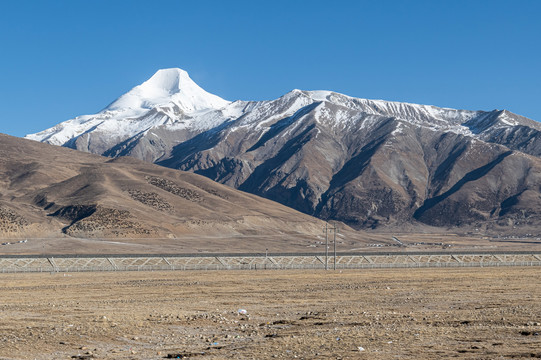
(184, 262)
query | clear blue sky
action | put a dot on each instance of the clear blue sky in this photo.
(60, 59)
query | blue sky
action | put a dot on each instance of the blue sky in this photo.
(60, 59)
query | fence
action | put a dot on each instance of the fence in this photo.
(67, 263)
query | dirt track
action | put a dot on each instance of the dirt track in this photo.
(483, 313)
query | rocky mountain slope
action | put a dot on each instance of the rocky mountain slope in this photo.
(368, 163)
(48, 191)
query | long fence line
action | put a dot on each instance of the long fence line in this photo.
(66, 263)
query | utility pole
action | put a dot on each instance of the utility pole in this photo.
(335, 229)
(326, 248)
(326, 230)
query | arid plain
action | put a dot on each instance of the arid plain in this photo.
(474, 313)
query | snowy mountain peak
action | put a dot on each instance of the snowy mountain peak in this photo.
(169, 80)
(168, 86)
(169, 96)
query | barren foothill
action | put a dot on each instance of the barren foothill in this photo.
(474, 313)
(54, 200)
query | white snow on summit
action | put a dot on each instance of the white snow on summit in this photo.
(168, 86)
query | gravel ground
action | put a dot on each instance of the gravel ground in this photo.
(481, 313)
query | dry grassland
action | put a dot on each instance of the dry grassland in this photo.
(481, 313)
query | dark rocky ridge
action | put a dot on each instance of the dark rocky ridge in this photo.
(380, 177)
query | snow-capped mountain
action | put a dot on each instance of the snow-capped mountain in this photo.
(167, 98)
(365, 162)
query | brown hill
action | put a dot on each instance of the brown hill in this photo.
(50, 191)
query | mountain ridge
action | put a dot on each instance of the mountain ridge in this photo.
(369, 163)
